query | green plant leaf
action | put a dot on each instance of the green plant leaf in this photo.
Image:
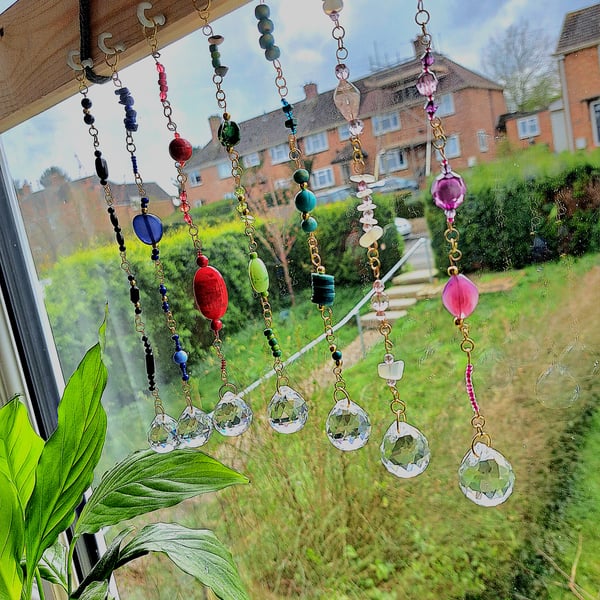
(67, 463)
(11, 541)
(20, 449)
(146, 481)
(53, 565)
(196, 551)
(98, 590)
(105, 566)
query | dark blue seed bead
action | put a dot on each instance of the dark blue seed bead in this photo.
(88, 119)
(134, 294)
(148, 228)
(291, 123)
(144, 202)
(129, 101)
(150, 368)
(163, 290)
(266, 26)
(165, 306)
(337, 355)
(266, 41)
(101, 168)
(122, 91)
(185, 377)
(287, 107)
(262, 11)
(174, 337)
(86, 103)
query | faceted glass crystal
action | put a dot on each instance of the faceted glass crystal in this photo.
(485, 477)
(460, 296)
(232, 416)
(448, 191)
(404, 451)
(556, 388)
(348, 426)
(287, 410)
(347, 99)
(427, 84)
(162, 435)
(194, 427)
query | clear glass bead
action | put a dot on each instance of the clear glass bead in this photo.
(347, 99)
(348, 426)
(427, 84)
(342, 71)
(556, 388)
(232, 416)
(332, 6)
(162, 435)
(356, 127)
(194, 427)
(288, 411)
(404, 450)
(485, 477)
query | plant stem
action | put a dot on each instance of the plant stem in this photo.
(40, 585)
(70, 566)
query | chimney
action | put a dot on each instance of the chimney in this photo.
(310, 91)
(418, 46)
(215, 122)
(26, 189)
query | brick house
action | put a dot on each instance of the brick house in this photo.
(578, 54)
(523, 129)
(396, 138)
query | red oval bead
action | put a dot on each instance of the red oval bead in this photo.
(460, 296)
(180, 149)
(210, 292)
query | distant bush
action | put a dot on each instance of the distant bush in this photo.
(529, 207)
(408, 205)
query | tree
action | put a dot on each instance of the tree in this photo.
(519, 60)
(53, 176)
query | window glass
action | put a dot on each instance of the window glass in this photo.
(224, 170)
(343, 132)
(322, 178)
(279, 154)
(482, 141)
(386, 123)
(392, 160)
(445, 105)
(528, 127)
(195, 178)
(251, 160)
(315, 143)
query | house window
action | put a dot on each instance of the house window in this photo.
(595, 109)
(195, 178)
(385, 123)
(445, 105)
(528, 127)
(392, 160)
(344, 132)
(251, 160)
(281, 184)
(345, 171)
(279, 154)
(315, 143)
(224, 170)
(322, 178)
(482, 141)
(452, 148)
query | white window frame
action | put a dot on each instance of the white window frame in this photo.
(322, 178)
(224, 170)
(595, 120)
(452, 147)
(445, 104)
(251, 160)
(315, 143)
(282, 184)
(392, 160)
(195, 178)
(482, 141)
(343, 132)
(385, 123)
(528, 127)
(279, 154)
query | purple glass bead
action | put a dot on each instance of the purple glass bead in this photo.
(427, 59)
(342, 71)
(378, 286)
(448, 191)
(431, 108)
(356, 127)
(148, 228)
(460, 296)
(427, 84)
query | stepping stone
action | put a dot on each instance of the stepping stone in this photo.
(401, 303)
(370, 321)
(413, 277)
(405, 291)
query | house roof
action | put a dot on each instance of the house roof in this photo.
(581, 28)
(382, 91)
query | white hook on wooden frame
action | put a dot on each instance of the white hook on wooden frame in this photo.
(109, 51)
(151, 22)
(78, 66)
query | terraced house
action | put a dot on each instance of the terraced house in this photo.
(396, 139)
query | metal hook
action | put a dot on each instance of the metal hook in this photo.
(88, 62)
(144, 20)
(120, 47)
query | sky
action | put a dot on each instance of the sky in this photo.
(375, 37)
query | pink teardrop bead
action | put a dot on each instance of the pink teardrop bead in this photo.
(460, 296)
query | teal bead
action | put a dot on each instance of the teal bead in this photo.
(268, 331)
(305, 200)
(215, 62)
(266, 26)
(309, 225)
(215, 54)
(213, 47)
(266, 41)
(301, 176)
(277, 353)
(272, 53)
(337, 355)
(262, 11)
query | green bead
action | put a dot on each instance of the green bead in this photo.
(215, 62)
(266, 26)
(229, 133)
(262, 11)
(272, 53)
(309, 225)
(212, 48)
(268, 331)
(305, 200)
(276, 347)
(215, 54)
(301, 176)
(277, 353)
(266, 41)
(258, 274)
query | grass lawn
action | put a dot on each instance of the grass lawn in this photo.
(319, 524)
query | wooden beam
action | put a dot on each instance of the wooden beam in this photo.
(36, 35)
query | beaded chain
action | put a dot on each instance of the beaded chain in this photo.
(287, 410)
(347, 426)
(400, 434)
(160, 435)
(231, 416)
(483, 483)
(194, 427)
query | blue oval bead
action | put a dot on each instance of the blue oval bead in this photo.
(305, 200)
(309, 225)
(148, 228)
(180, 357)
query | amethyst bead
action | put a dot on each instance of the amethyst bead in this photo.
(427, 84)
(448, 191)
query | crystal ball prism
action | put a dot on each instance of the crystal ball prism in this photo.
(162, 435)
(348, 426)
(288, 411)
(404, 450)
(194, 427)
(232, 416)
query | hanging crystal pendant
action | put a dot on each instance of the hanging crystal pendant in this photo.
(404, 450)
(485, 477)
(347, 99)
(194, 427)
(556, 388)
(348, 426)
(288, 411)
(232, 416)
(162, 435)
